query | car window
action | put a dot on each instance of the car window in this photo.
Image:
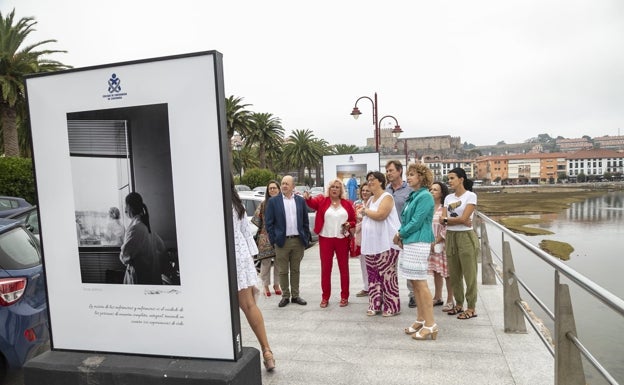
(18, 250)
(250, 206)
(8, 204)
(32, 222)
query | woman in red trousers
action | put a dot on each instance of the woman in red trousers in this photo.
(335, 217)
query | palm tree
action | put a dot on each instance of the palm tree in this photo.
(326, 149)
(265, 132)
(341, 149)
(302, 150)
(237, 116)
(15, 63)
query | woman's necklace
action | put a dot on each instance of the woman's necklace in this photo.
(335, 203)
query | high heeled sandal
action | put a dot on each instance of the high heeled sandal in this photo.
(267, 292)
(269, 361)
(413, 328)
(277, 291)
(426, 332)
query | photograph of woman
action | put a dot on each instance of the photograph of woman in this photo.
(142, 251)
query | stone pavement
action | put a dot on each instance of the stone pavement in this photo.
(345, 346)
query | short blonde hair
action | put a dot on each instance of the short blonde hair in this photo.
(343, 193)
(424, 171)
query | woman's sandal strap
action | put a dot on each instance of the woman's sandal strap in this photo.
(467, 314)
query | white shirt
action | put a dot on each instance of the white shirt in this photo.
(377, 236)
(334, 218)
(455, 207)
(290, 207)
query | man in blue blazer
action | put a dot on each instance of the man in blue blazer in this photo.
(286, 221)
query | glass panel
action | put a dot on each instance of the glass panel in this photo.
(18, 250)
(100, 184)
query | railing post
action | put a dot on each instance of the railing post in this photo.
(488, 275)
(514, 317)
(568, 364)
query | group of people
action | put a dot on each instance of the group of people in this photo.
(398, 228)
(410, 229)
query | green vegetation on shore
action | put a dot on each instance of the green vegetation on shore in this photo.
(558, 249)
(534, 202)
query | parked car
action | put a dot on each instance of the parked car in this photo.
(242, 187)
(11, 205)
(314, 191)
(259, 191)
(24, 329)
(30, 218)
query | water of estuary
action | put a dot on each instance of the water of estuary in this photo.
(594, 228)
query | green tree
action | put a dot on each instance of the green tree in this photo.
(266, 133)
(326, 149)
(238, 118)
(258, 177)
(302, 150)
(581, 177)
(244, 159)
(340, 149)
(16, 62)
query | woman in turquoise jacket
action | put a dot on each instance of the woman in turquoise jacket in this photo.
(415, 236)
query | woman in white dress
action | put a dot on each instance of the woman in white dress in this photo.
(247, 277)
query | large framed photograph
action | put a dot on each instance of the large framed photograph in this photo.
(345, 166)
(132, 173)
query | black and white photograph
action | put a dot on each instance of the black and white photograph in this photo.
(123, 194)
(132, 167)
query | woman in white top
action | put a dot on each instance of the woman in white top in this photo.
(379, 225)
(462, 244)
(335, 217)
(247, 277)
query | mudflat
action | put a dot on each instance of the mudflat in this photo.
(536, 200)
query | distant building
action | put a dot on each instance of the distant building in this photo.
(609, 142)
(575, 144)
(521, 168)
(594, 163)
(441, 167)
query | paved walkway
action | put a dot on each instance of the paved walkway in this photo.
(344, 346)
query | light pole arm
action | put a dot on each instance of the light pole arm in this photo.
(356, 112)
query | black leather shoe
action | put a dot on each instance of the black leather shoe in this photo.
(299, 300)
(412, 302)
(285, 301)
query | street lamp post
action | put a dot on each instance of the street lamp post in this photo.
(396, 133)
(376, 121)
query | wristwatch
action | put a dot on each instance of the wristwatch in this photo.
(445, 220)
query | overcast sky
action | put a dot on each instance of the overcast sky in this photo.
(484, 70)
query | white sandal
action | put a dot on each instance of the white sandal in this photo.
(415, 327)
(448, 307)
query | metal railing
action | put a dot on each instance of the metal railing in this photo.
(566, 348)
